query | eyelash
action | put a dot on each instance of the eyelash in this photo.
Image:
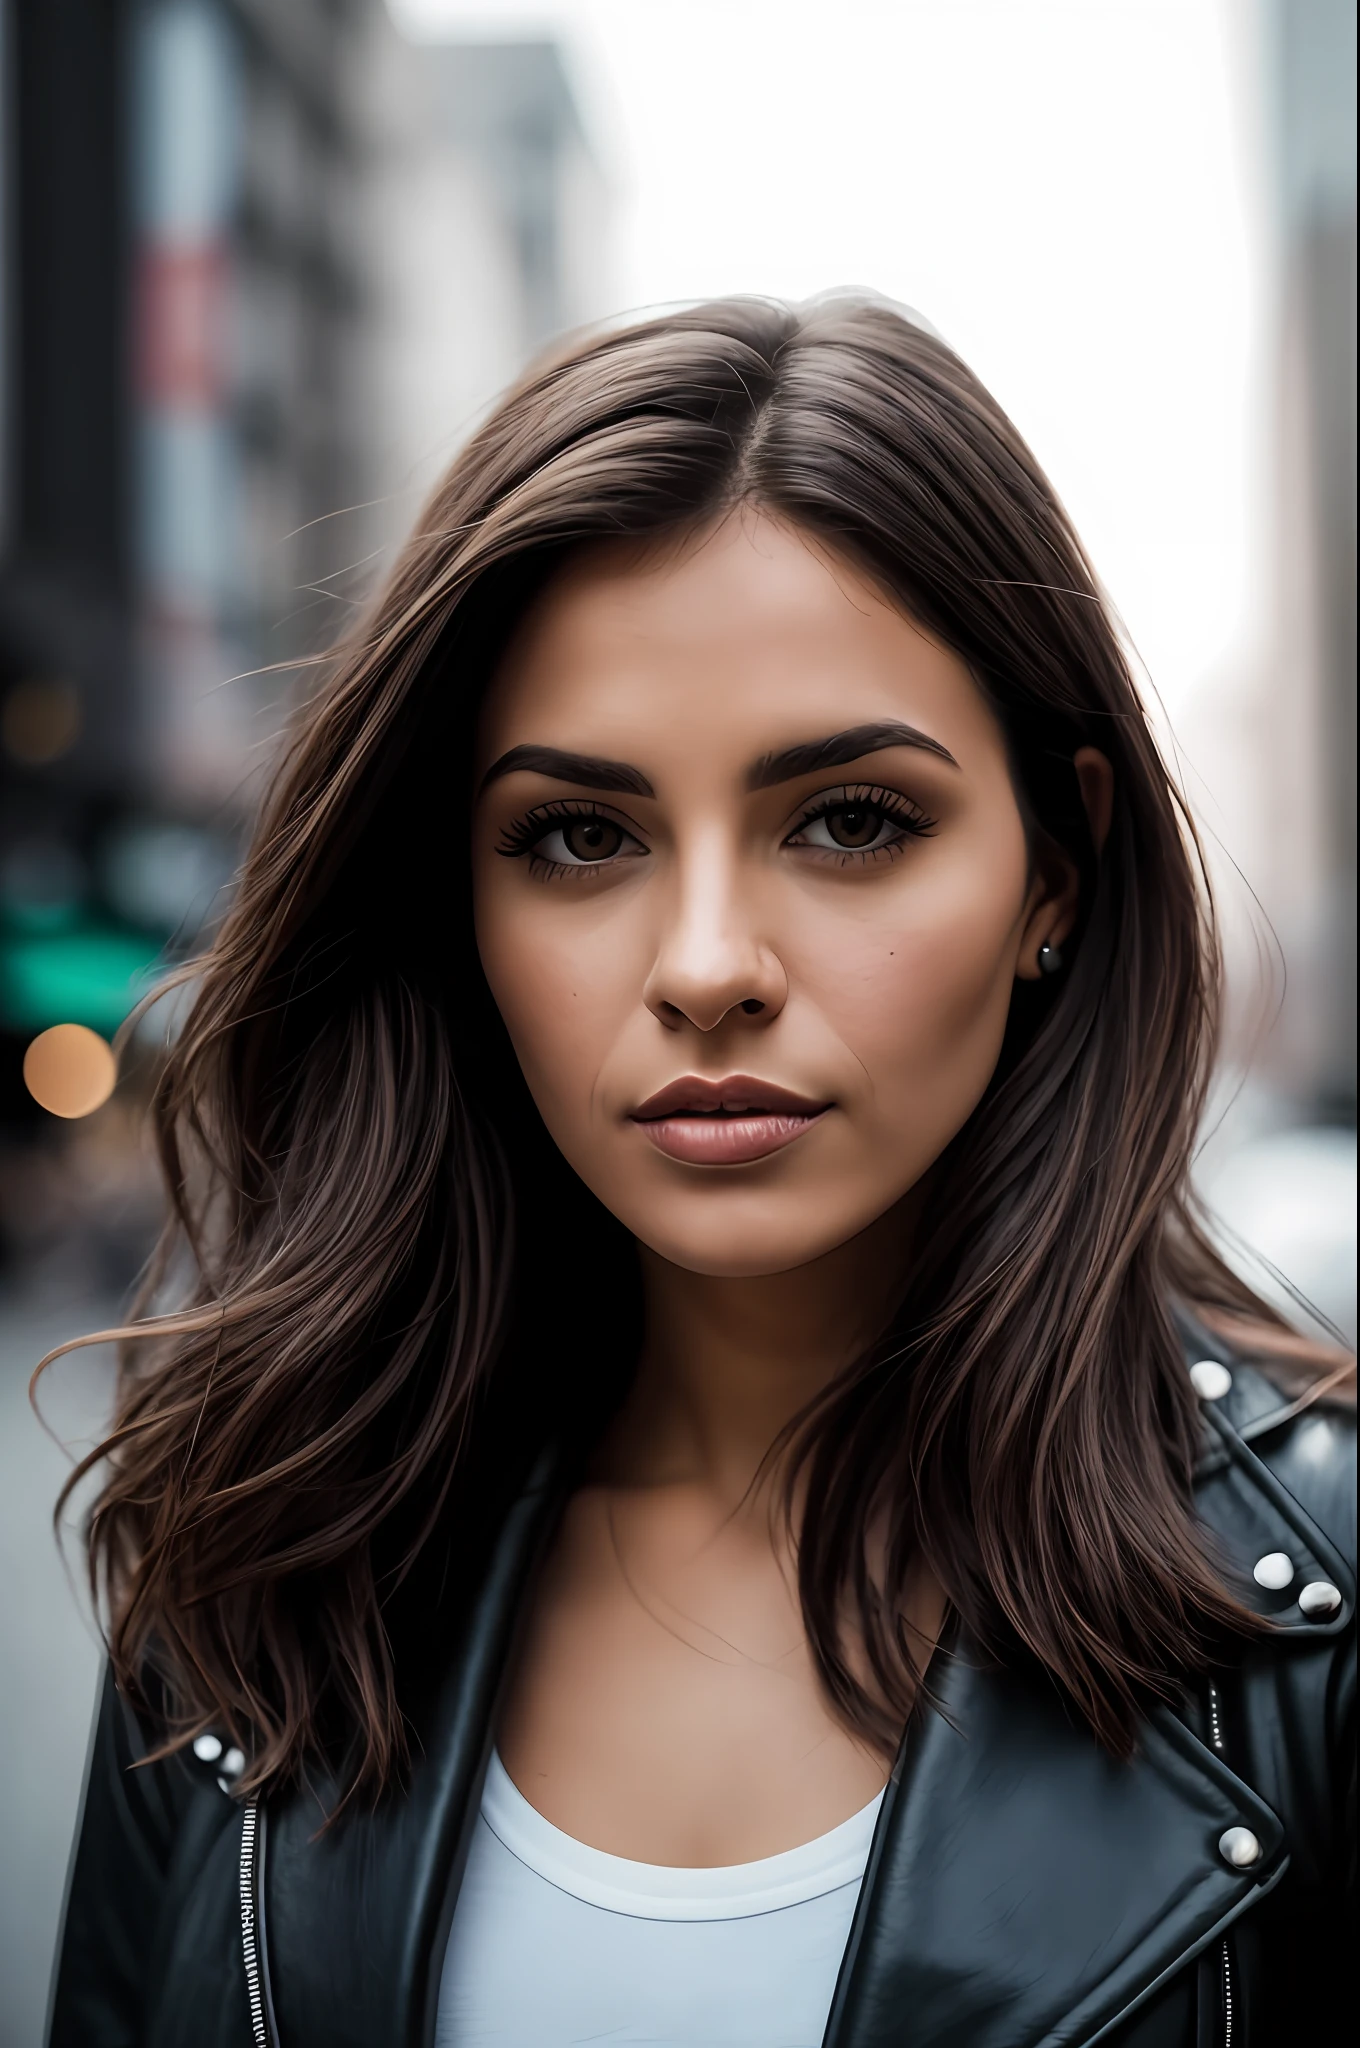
(522, 835)
(898, 809)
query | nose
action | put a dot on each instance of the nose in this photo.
(710, 960)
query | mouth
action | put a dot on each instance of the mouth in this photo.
(727, 1122)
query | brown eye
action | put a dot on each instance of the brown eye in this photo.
(862, 822)
(853, 825)
(590, 839)
(567, 841)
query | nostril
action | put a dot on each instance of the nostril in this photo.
(752, 1007)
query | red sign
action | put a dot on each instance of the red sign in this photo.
(181, 339)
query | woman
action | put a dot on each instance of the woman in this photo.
(697, 1496)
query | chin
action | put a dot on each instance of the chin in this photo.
(725, 1248)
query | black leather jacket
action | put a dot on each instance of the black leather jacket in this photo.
(1022, 1888)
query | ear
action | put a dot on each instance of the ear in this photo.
(1095, 778)
(1056, 886)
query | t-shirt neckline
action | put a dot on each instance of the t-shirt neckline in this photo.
(661, 1891)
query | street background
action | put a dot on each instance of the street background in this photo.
(262, 265)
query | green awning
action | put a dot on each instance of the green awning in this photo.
(89, 974)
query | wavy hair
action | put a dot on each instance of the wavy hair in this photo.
(389, 1307)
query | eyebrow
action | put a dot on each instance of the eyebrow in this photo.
(839, 747)
(588, 771)
(594, 771)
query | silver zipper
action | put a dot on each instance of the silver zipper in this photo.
(259, 2021)
(1216, 1738)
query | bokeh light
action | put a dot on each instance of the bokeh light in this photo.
(70, 1070)
(40, 720)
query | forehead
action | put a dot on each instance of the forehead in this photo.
(735, 640)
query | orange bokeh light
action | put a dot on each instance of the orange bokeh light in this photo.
(70, 1070)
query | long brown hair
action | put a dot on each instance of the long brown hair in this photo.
(387, 1311)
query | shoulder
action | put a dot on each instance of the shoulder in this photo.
(1277, 1469)
(1311, 1453)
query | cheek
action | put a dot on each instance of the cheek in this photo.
(920, 992)
(562, 986)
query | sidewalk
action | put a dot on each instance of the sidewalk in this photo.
(52, 1656)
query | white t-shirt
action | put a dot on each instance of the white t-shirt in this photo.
(554, 1943)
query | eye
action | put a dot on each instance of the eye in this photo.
(852, 827)
(558, 837)
(860, 822)
(583, 842)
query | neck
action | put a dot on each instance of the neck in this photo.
(726, 1363)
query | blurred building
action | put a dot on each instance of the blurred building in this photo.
(492, 238)
(250, 298)
(1311, 68)
(1280, 1166)
(263, 261)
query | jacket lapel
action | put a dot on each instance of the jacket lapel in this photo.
(356, 1920)
(1026, 1891)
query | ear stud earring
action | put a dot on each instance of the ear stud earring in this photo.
(1050, 959)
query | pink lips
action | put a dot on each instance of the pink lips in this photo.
(727, 1122)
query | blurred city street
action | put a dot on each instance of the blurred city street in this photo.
(264, 263)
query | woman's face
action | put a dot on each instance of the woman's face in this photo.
(752, 890)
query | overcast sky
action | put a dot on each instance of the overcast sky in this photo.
(1071, 191)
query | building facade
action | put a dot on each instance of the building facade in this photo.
(262, 263)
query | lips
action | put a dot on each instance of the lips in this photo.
(727, 1122)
